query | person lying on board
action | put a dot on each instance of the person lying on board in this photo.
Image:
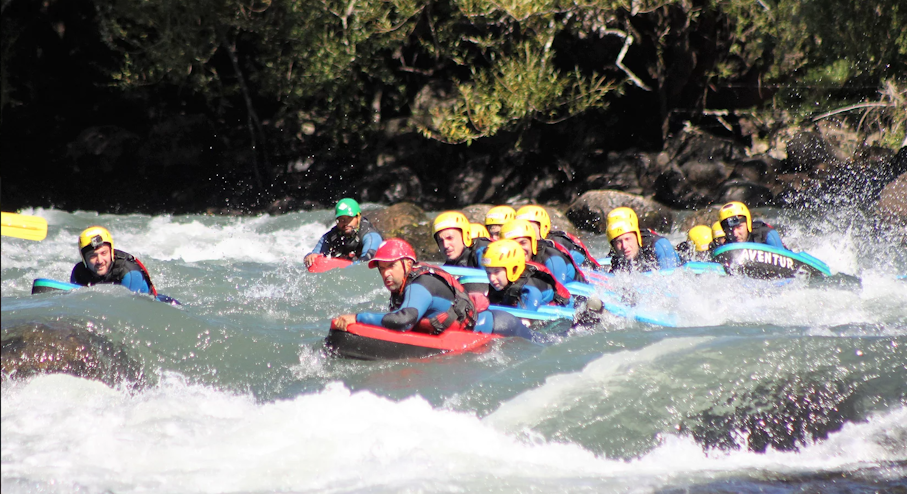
(353, 238)
(518, 283)
(101, 264)
(428, 299)
(451, 230)
(738, 226)
(495, 219)
(636, 250)
(558, 261)
(563, 241)
(718, 236)
(696, 246)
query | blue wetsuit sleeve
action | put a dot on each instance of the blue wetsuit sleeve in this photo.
(479, 252)
(319, 245)
(135, 282)
(558, 268)
(369, 246)
(666, 255)
(416, 301)
(774, 240)
(532, 298)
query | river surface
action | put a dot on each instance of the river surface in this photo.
(762, 388)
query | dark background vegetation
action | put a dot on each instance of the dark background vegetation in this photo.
(174, 106)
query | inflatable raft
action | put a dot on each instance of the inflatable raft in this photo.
(322, 264)
(46, 285)
(766, 262)
(367, 342)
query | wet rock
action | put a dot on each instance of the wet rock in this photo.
(32, 349)
(590, 211)
(784, 415)
(806, 150)
(100, 148)
(892, 206)
(705, 216)
(749, 193)
(476, 212)
(409, 222)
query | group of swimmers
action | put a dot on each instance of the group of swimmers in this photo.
(528, 265)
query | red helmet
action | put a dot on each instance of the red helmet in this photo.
(392, 249)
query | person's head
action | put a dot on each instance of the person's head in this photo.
(96, 249)
(625, 238)
(736, 221)
(504, 261)
(478, 230)
(701, 236)
(718, 233)
(495, 219)
(348, 214)
(623, 213)
(538, 217)
(451, 232)
(523, 233)
(394, 258)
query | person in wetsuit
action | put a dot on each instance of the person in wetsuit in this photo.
(636, 250)
(696, 246)
(718, 236)
(518, 283)
(561, 240)
(451, 230)
(353, 238)
(428, 299)
(738, 226)
(101, 264)
(495, 219)
(560, 263)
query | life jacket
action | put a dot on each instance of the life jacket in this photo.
(542, 256)
(760, 232)
(123, 263)
(463, 310)
(510, 296)
(572, 242)
(646, 260)
(347, 247)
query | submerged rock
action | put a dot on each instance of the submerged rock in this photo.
(783, 415)
(35, 348)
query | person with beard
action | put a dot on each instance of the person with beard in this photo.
(353, 238)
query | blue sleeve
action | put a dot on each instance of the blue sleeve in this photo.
(578, 257)
(319, 245)
(774, 240)
(135, 282)
(558, 268)
(416, 301)
(479, 252)
(532, 298)
(369, 246)
(666, 255)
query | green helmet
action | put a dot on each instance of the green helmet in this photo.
(347, 207)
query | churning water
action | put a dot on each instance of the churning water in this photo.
(762, 388)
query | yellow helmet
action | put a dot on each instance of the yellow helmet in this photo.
(505, 254)
(538, 215)
(478, 230)
(733, 209)
(717, 231)
(93, 237)
(701, 236)
(618, 227)
(452, 219)
(499, 215)
(520, 228)
(623, 213)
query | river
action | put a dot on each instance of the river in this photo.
(762, 388)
